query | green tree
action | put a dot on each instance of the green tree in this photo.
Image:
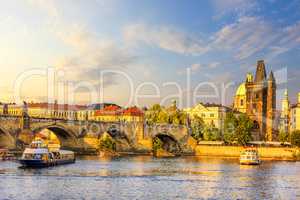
(230, 124)
(211, 133)
(157, 144)
(159, 114)
(237, 129)
(283, 136)
(295, 138)
(163, 117)
(243, 130)
(107, 143)
(197, 125)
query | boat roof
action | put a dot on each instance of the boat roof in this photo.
(36, 151)
(66, 152)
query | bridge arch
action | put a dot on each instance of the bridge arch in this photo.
(169, 142)
(66, 136)
(6, 139)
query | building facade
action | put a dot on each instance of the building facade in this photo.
(256, 97)
(285, 113)
(295, 116)
(114, 113)
(212, 114)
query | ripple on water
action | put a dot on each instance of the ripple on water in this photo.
(145, 177)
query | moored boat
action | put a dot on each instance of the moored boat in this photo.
(40, 155)
(250, 156)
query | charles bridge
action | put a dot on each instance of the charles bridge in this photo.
(17, 132)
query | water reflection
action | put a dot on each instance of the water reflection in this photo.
(144, 177)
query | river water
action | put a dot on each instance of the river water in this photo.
(144, 177)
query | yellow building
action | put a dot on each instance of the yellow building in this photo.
(115, 113)
(14, 110)
(295, 116)
(132, 114)
(108, 114)
(212, 114)
(240, 98)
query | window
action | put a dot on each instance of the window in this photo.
(242, 102)
(203, 115)
(257, 96)
(212, 115)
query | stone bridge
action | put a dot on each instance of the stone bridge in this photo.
(15, 132)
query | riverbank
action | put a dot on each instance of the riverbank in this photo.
(266, 153)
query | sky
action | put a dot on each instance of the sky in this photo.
(133, 52)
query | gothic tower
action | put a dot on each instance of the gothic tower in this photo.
(257, 100)
(259, 94)
(271, 107)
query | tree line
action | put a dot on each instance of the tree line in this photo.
(236, 128)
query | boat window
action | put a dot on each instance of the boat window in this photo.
(37, 156)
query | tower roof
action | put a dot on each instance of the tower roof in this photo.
(286, 93)
(241, 91)
(271, 76)
(260, 75)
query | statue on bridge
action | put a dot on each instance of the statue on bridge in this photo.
(25, 119)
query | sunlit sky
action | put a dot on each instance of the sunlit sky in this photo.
(152, 42)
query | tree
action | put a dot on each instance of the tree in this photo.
(229, 128)
(159, 114)
(197, 125)
(107, 143)
(283, 136)
(211, 133)
(243, 130)
(237, 129)
(295, 138)
(157, 144)
(163, 117)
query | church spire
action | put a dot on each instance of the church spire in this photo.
(271, 77)
(260, 75)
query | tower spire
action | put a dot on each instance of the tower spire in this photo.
(271, 76)
(260, 75)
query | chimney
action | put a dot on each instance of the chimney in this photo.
(299, 97)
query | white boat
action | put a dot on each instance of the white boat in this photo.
(250, 156)
(40, 155)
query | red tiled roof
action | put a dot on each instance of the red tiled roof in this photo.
(109, 110)
(133, 111)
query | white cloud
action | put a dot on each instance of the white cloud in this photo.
(239, 7)
(242, 39)
(196, 67)
(164, 37)
(91, 54)
(247, 36)
(49, 6)
(214, 65)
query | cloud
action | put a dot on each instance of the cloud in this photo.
(239, 7)
(196, 67)
(91, 54)
(291, 35)
(164, 37)
(247, 36)
(241, 39)
(50, 6)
